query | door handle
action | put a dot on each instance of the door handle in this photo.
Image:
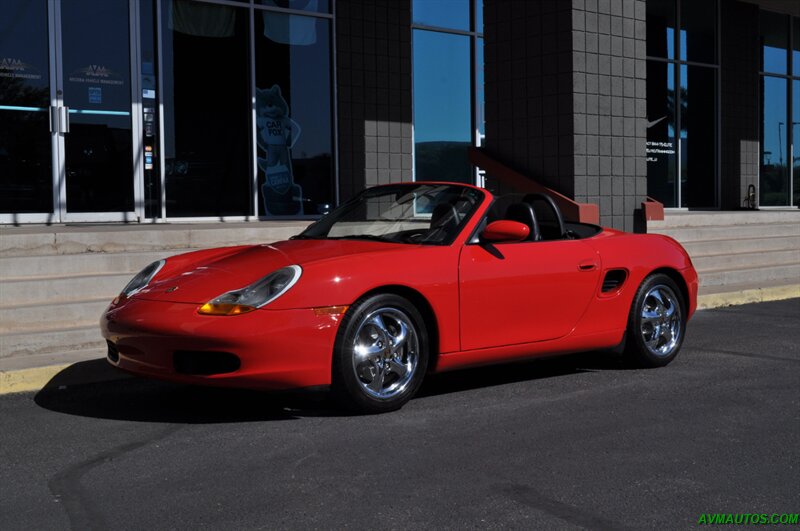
(63, 119)
(587, 266)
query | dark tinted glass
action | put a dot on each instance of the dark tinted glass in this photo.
(294, 121)
(301, 5)
(152, 167)
(26, 180)
(796, 46)
(698, 136)
(774, 146)
(480, 98)
(444, 13)
(774, 42)
(442, 130)
(661, 143)
(661, 28)
(97, 89)
(698, 38)
(796, 140)
(207, 110)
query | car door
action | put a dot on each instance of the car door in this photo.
(512, 293)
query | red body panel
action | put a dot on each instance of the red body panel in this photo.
(491, 302)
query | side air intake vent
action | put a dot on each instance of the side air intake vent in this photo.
(614, 280)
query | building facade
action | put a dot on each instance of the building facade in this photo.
(187, 110)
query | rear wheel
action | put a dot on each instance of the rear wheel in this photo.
(656, 323)
(381, 354)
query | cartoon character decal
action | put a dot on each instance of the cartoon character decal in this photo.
(277, 134)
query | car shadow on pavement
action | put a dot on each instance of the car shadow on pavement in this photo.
(95, 389)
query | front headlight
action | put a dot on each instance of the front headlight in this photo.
(254, 296)
(142, 279)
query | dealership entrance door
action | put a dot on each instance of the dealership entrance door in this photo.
(66, 129)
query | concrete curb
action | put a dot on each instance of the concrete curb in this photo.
(25, 380)
(35, 379)
(748, 296)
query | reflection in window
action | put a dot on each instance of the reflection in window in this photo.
(774, 146)
(452, 14)
(774, 42)
(293, 115)
(300, 5)
(26, 179)
(206, 110)
(698, 39)
(698, 136)
(796, 139)
(661, 146)
(442, 108)
(661, 28)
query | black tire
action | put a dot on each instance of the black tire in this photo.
(657, 315)
(355, 377)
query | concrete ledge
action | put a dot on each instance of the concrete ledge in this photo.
(748, 296)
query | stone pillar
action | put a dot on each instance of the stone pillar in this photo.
(373, 55)
(566, 98)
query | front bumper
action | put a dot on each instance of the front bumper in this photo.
(276, 349)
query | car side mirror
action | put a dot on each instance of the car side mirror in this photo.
(505, 230)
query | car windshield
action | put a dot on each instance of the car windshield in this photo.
(431, 214)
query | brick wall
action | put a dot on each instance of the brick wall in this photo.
(566, 98)
(373, 54)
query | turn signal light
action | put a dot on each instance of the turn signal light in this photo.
(330, 310)
(224, 309)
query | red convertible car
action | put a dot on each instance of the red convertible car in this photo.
(398, 282)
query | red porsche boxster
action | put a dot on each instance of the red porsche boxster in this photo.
(400, 281)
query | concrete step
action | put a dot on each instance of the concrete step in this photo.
(44, 266)
(693, 234)
(58, 290)
(30, 241)
(722, 218)
(742, 245)
(40, 343)
(51, 316)
(748, 260)
(719, 277)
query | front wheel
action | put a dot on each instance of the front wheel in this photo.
(656, 323)
(381, 354)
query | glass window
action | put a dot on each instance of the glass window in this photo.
(774, 153)
(152, 168)
(661, 28)
(300, 5)
(479, 95)
(479, 16)
(452, 14)
(442, 106)
(293, 115)
(796, 46)
(698, 136)
(796, 140)
(774, 42)
(698, 38)
(96, 66)
(206, 110)
(661, 147)
(26, 179)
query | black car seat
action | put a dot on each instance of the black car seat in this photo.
(444, 220)
(548, 215)
(523, 213)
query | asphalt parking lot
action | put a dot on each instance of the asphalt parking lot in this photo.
(576, 442)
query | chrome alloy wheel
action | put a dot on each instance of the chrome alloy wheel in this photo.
(385, 352)
(661, 320)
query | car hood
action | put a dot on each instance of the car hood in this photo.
(200, 281)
